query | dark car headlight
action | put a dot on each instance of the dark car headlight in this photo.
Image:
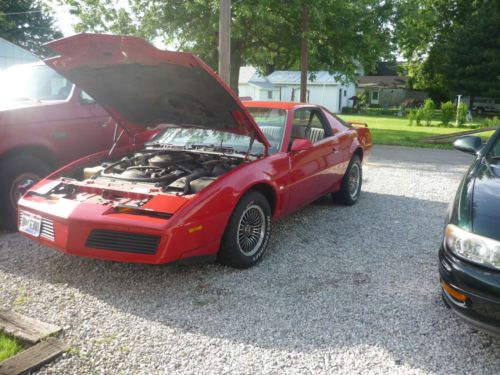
(473, 247)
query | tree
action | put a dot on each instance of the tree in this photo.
(264, 33)
(452, 45)
(28, 24)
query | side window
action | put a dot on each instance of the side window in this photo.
(86, 98)
(308, 124)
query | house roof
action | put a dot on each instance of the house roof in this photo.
(284, 77)
(382, 81)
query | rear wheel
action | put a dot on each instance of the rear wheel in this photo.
(350, 189)
(480, 111)
(18, 175)
(247, 234)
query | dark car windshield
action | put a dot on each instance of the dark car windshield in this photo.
(270, 121)
(33, 82)
(494, 153)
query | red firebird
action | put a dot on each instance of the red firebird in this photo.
(209, 184)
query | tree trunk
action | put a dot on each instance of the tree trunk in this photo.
(225, 40)
(235, 69)
(303, 57)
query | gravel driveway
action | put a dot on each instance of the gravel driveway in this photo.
(341, 290)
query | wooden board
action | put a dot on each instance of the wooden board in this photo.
(33, 358)
(25, 328)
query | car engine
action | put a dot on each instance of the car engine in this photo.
(177, 172)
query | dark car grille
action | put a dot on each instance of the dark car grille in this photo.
(123, 241)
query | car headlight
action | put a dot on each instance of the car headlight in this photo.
(473, 247)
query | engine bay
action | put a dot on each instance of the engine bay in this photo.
(177, 172)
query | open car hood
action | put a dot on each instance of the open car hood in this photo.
(142, 86)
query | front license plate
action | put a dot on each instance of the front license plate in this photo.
(30, 224)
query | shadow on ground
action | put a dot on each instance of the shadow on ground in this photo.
(334, 277)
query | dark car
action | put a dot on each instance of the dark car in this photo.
(469, 258)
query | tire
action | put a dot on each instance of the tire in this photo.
(350, 189)
(480, 111)
(15, 171)
(247, 234)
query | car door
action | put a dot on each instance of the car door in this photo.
(312, 171)
(88, 128)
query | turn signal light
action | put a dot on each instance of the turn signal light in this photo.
(454, 293)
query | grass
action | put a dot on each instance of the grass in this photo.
(8, 346)
(391, 130)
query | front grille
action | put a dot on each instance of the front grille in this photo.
(47, 229)
(123, 241)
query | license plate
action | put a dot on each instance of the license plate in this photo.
(30, 224)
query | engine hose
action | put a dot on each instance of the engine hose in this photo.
(193, 176)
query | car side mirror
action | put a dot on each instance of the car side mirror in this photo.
(301, 144)
(470, 144)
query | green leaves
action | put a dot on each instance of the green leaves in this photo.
(28, 24)
(453, 46)
(264, 33)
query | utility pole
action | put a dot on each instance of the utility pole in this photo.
(225, 40)
(458, 109)
(303, 55)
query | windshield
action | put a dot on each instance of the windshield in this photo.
(271, 121)
(33, 82)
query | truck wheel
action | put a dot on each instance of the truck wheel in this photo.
(19, 173)
(247, 234)
(350, 189)
(480, 111)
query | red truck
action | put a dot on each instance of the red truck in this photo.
(45, 122)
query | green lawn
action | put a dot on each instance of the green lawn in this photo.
(8, 346)
(391, 130)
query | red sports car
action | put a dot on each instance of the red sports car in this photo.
(208, 185)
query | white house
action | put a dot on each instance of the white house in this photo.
(10, 54)
(322, 88)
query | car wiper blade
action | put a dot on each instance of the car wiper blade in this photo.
(220, 148)
(163, 146)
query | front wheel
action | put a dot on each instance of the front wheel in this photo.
(350, 189)
(247, 233)
(18, 175)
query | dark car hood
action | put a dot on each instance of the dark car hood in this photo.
(486, 201)
(142, 86)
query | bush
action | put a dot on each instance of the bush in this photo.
(491, 122)
(462, 113)
(411, 116)
(419, 116)
(347, 110)
(447, 113)
(428, 111)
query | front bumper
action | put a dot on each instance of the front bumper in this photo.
(94, 231)
(479, 287)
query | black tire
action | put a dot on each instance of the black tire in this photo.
(14, 171)
(350, 189)
(480, 111)
(247, 234)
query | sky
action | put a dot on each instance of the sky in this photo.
(64, 19)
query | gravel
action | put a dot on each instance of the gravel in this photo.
(341, 290)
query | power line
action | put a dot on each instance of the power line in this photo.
(28, 11)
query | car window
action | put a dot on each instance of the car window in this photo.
(271, 122)
(33, 82)
(86, 98)
(307, 123)
(495, 149)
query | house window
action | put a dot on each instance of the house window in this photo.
(374, 95)
(269, 94)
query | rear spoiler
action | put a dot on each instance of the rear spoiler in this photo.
(359, 123)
